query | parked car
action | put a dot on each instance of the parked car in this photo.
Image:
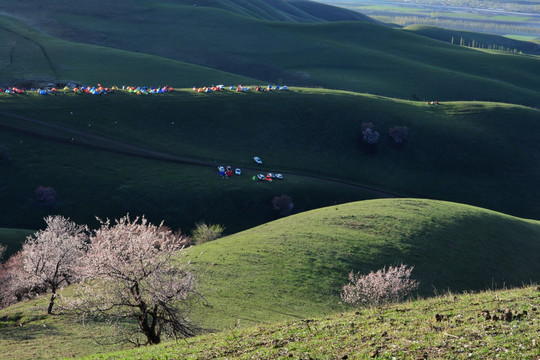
(238, 171)
(261, 177)
(257, 160)
(271, 175)
(279, 176)
(221, 171)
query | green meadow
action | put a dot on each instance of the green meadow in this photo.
(405, 331)
(293, 269)
(91, 150)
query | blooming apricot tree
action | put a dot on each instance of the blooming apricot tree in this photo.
(131, 271)
(49, 257)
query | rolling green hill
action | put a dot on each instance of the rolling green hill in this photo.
(293, 268)
(461, 152)
(353, 55)
(273, 10)
(27, 55)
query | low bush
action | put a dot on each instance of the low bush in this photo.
(204, 232)
(381, 287)
(399, 135)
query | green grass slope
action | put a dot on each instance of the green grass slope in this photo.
(461, 152)
(274, 10)
(295, 266)
(293, 269)
(12, 239)
(354, 55)
(405, 331)
(484, 41)
(26, 55)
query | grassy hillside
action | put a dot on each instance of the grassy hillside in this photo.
(461, 152)
(406, 331)
(293, 269)
(354, 55)
(274, 10)
(306, 257)
(27, 55)
(91, 183)
(484, 41)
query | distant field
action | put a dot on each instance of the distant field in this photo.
(515, 44)
(508, 18)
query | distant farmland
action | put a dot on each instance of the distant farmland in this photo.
(513, 19)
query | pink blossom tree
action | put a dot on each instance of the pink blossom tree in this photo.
(50, 256)
(132, 272)
(12, 289)
(381, 287)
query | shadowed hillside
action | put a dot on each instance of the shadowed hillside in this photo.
(461, 152)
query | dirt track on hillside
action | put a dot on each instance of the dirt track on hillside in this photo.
(84, 139)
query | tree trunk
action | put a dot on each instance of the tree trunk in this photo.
(51, 302)
(149, 331)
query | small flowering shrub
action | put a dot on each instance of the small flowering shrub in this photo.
(381, 287)
(369, 136)
(399, 134)
(46, 196)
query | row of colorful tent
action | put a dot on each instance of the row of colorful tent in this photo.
(145, 90)
(94, 90)
(238, 88)
(13, 90)
(139, 90)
